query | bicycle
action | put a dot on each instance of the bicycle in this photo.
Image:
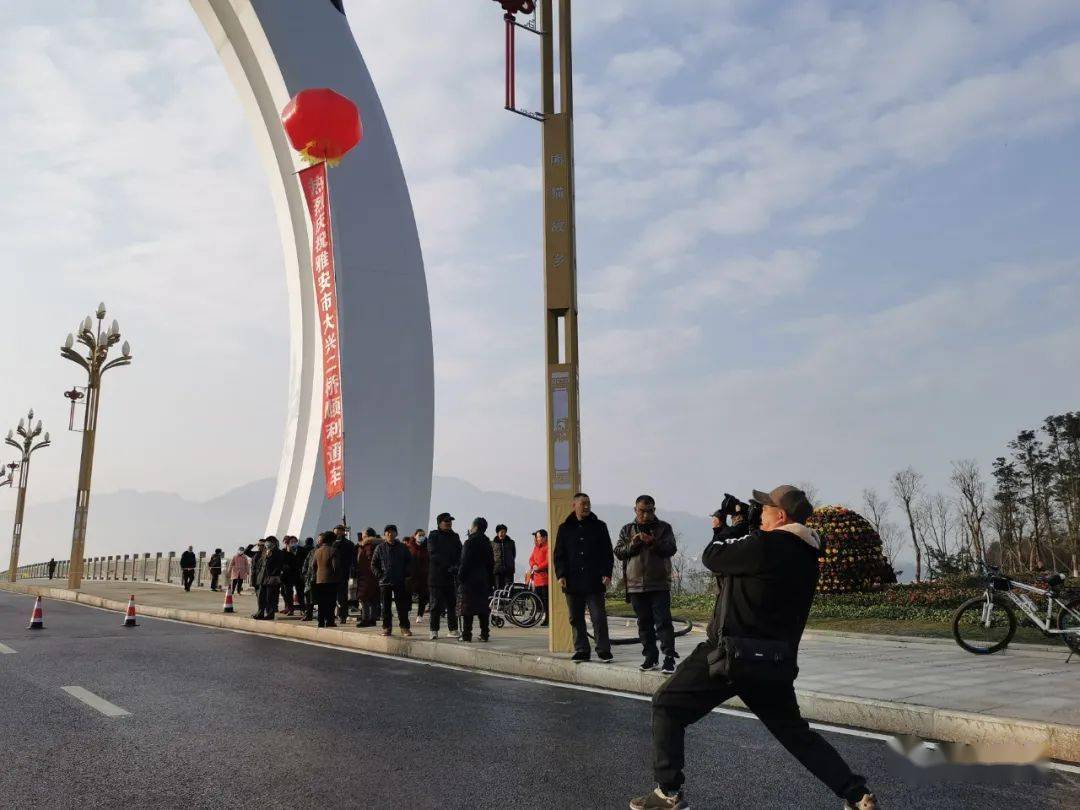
(517, 604)
(986, 624)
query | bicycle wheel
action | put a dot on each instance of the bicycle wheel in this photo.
(1069, 619)
(526, 609)
(983, 629)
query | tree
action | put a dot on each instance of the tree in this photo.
(1029, 455)
(967, 480)
(810, 490)
(877, 512)
(1007, 516)
(906, 485)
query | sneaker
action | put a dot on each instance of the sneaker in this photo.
(659, 800)
(579, 657)
(669, 664)
(649, 664)
(406, 632)
(867, 802)
(605, 657)
(434, 635)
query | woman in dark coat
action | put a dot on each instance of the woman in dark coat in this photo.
(367, 584)
(476, 578)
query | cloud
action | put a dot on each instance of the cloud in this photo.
(749, 279)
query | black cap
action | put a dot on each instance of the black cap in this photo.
(719, 513)
(444, 516)
(390, 527)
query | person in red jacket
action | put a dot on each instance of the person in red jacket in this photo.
(538, 569)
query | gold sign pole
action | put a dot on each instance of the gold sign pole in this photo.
(560, 300)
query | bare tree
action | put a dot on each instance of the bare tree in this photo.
(905, 486)
(934, 516)
(877, 511)
(967, 479)
(680, 568)
(810, 490)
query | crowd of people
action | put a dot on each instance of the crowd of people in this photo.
(423, 577)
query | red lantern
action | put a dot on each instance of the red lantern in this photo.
(322, 125)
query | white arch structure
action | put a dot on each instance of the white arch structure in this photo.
(271, 49)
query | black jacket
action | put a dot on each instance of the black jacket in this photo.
(444, 556)
(345, 550)
(187, 559)
(583, 555)
(774, 576)
(391, 563)
(505, 553)
(476, 576)
(273, 565)
(214, 563)
(647, 567)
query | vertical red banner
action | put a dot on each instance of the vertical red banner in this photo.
(317, 194)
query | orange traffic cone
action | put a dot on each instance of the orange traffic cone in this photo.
(37, 619)
(129, 620)
(228, 601)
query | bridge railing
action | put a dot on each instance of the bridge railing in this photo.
(140, 567)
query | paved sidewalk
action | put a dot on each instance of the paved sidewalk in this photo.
(927, 687)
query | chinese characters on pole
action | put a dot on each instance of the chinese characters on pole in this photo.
(316, 193)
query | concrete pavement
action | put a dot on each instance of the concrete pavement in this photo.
(929, 688)
(221, 719)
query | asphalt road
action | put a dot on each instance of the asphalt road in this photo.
(218, 718)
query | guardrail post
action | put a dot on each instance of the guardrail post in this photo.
(198, 571)
(169, 566)
(157, 565)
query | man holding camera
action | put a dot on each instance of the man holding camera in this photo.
(769, 567)
(646, 547)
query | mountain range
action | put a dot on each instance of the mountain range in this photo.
(130, 521)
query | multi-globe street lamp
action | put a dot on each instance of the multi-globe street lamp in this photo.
(10, 480)
(98, 342)
(26, 443)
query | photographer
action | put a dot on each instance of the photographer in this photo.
(770, 577)
(646, 547)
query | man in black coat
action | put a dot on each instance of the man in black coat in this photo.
(444, 556)
(269, 582)
(345, 550)
(505, 553)
(391, 564)
(214, 566)
(584, 562)
(476, 578)
(187, 567)
(771, 573)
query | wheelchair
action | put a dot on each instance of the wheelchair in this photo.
(517, 604)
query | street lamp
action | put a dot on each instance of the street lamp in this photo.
(26, 443)
(98, 342)
(10, 480)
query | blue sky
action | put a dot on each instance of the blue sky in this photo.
(818, 241)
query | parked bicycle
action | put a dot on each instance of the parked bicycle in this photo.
(986, 624)
(517, 604)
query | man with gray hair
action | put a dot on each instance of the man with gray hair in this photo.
(769, 573)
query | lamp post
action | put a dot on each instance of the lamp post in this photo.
(10, 480)
(98, 342)
(26, 443)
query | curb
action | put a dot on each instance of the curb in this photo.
(1056, 741)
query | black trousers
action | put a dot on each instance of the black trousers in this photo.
(287, 591)
(215, 575)
(421, 601)
(238, 585)
(466, 625)
(504, 580)
(443, 600)
(326, 597)
(343, 601)
(653, 611)
(268, 599)
(691, 693)
(187, 576)
(542, 592)
(576, 604)
(395, 596)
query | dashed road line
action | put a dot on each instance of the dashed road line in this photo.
(95, 702)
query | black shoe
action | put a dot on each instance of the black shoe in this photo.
(580, 657)
(330, 624)
(605, 657)
(466, 639)
(650, 664)
(669, 664)
(483, 638)
(256, 616)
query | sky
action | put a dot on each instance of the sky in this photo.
(818, 241)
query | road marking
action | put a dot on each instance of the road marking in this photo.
(5, 649)
(92, 700)
(845, 730)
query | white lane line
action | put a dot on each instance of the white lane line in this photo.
(844, 730)
(92, 700)
(5, 649)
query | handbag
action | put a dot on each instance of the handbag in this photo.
(742, 658)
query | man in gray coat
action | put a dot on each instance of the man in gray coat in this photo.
(646, 547)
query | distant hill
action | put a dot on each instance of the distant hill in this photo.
(129, 521)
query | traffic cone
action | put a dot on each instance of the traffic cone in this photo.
(37, 619)
(228, 601)
(129, 620)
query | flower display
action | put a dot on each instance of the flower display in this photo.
(853, 560)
